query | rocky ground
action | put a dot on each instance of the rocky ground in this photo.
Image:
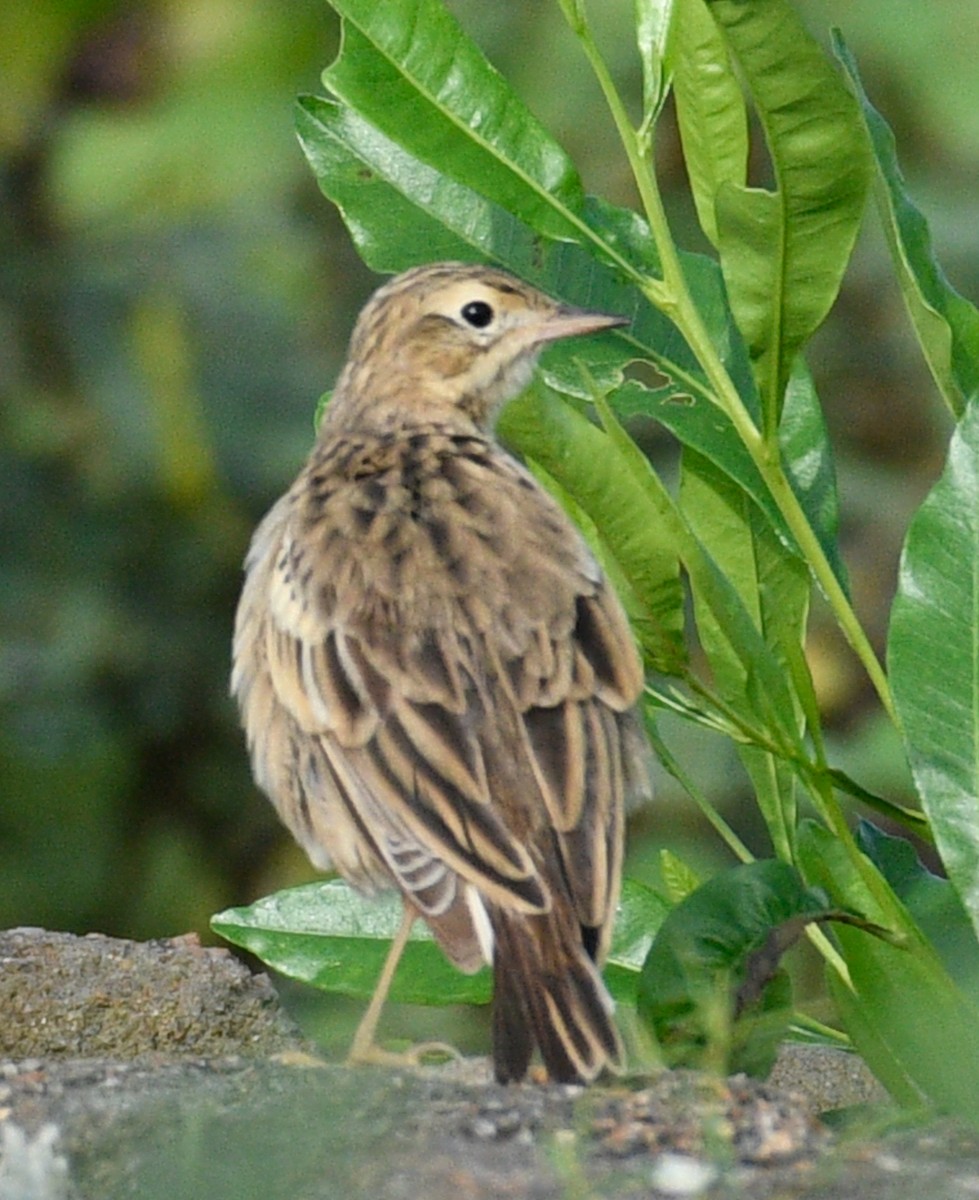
(165, 1069)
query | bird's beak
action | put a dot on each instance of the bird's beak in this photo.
(570, 322)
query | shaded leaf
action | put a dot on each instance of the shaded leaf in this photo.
(586, 463)
(772, 699)
(640, 914)
(946, 323)
(931, 900)
(773, 585)
(917, 1031)
(806, 449)
(705, 988)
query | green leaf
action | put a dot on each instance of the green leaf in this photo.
(679, 877)
(660, 647)
(654, 36)
(710, 109)
(328, 935)
(424, 95)
(783, 252)
(409, 68)
(374, 185)
(773, 585)
(932, 902)
(401, 212)
(946, 323)
(808, 458)
(641, 913)
(933, 655)
(613, 482)
(709, 988)
(585, 463)
(771, 695)
(806, 451)
(917, 1031)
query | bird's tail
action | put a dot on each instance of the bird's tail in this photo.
(548, 992)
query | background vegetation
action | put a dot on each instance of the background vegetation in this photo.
(175, 295)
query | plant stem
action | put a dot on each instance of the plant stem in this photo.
(708, 811)
(831, 956)
(672, 297)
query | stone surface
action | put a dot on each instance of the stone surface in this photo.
(94, 996)
(826, 1077)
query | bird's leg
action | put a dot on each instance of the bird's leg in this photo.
(364, 1049)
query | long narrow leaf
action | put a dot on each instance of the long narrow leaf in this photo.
(761, 667)
(710, 109)
(933, 654)
(774, 587)
(784, 251)
(946, 323)
(655, 26)
(401, 212)
(804, 440)
(585, 462)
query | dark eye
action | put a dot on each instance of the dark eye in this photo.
(477, 313)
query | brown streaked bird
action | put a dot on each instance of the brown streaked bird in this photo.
(437, 683)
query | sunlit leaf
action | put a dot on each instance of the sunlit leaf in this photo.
(330, 936)
(401, 212)
(411, 70)
(710, 109)
(654, 32)
(933, 654)
(784, 251)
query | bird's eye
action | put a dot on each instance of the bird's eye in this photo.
(477, 313)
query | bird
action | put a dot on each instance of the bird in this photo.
(437, 682)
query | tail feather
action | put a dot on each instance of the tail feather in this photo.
(549, 993)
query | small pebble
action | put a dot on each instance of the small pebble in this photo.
(680, 1175)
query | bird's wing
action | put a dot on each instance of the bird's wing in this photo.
(464, 677)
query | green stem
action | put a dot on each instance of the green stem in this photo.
(672, 297)
(831, 956)
(708, 811)
(720, 717)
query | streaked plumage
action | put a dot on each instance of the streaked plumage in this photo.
(437, 682)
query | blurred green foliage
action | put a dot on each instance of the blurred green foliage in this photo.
(175, 295)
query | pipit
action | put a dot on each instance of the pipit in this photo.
(437, 683)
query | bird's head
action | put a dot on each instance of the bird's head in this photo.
(452, 338)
